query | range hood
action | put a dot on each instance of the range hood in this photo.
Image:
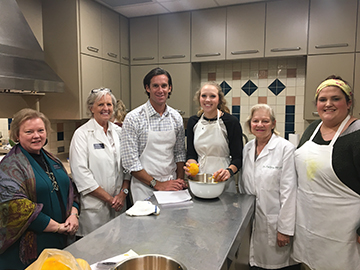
(22, 64)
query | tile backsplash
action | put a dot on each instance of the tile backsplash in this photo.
(278, 82)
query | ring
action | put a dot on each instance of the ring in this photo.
(286, 244)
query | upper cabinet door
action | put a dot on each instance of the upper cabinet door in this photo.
(332, 26)
(174, 38)
(144, 40)
(110, 34)
(245, 36)
(90, 28)
(208, 35)
(286, 27)
(124, 41)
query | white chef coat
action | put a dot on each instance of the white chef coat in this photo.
(327, 210)
(212, 149)
(95, 161)
(157, 159)
(272, 179)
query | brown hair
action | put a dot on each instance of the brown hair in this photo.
(120, 111)
(24, 115)
(222, 101)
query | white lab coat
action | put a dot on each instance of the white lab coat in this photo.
(95, 162)
(272, 179)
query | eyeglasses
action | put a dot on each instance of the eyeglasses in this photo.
(97, 90)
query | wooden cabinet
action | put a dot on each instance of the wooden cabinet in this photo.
(174, 37)
(319, 67)
(99, 30)
(245, 36)
(125, 85)
(124, 41)
(185, 80)
(356, 88)
(332, 26)
(286, 27)
(208, 35)
(144, 40)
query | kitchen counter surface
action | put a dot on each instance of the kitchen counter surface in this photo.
(200, 235)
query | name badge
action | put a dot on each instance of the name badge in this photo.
(99, 146)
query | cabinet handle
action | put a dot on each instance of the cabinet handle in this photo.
(180, 111)
(173, 56)
(143, 58)
(285, 49)
(244, 52)
(207, 54)
(326, 46)
(114, 55)
(315, 113)
(126, 58)
(92, 49)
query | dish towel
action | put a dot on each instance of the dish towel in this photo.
(143, 208)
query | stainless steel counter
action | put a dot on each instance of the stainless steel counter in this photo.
(200, 235)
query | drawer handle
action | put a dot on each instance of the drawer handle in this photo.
(113, 55)
(143, 58)
(315, 113)
(285, 49)
(326, 46)
(173, 56)
(126, 58)
(244, 52)
(92, 49)
(207, 54)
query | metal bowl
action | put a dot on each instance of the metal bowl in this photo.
(150, 262)
(205, 186)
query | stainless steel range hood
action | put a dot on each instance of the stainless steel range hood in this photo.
(22, 64)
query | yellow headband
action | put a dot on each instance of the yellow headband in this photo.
(334, 82)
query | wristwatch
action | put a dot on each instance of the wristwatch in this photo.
(230, 171)
(152, 183)
(125, 190)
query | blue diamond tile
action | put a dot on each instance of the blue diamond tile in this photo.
(235, 109)
(249, 87)
(225, 87)
(276, 87)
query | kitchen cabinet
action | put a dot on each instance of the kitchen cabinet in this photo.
(124, 41)
(144, 40)
(125, 85)
(332, 26)
(319, 67)
(80, 72)
(174, 38)
(99, 30)
(286, 28)
(208, 35)
(245, 36)
(185, 80)
(356, 109)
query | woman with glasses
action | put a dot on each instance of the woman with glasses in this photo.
(38, 201)
(95, 164)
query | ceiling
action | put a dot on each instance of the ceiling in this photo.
(138, 8)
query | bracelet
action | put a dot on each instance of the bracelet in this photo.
(75, 214)
(230, 171)
(57, 229)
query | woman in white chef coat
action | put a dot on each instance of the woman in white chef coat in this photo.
(95, 164)
(214, 137)
(328, 199)
(269, 174)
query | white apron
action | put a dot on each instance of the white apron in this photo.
(327, 211)
(157, 160)
(212, 149)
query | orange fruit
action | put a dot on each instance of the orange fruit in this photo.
(53, 263)
(193, 169)
(83, 264)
